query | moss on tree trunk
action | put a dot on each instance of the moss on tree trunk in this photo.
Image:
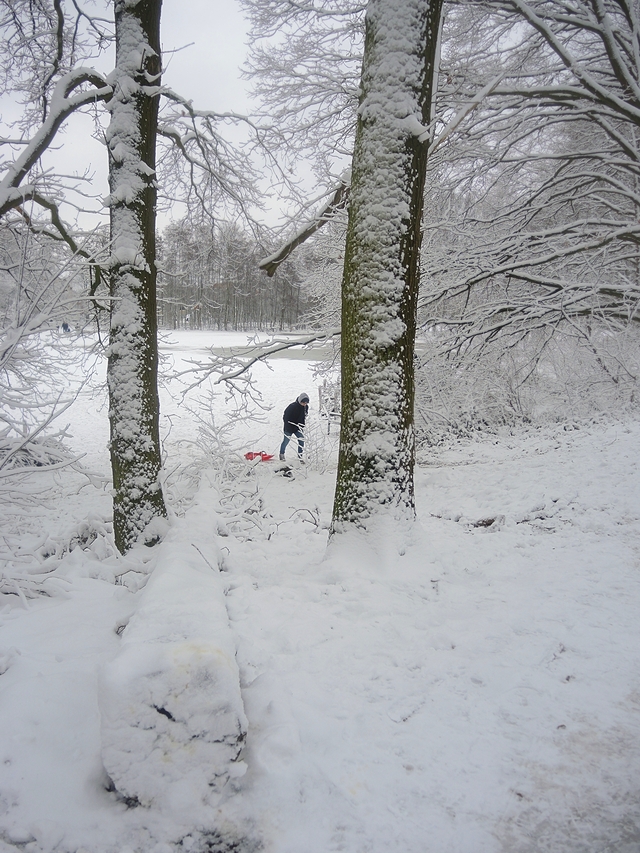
(381, 272)
(133, 349)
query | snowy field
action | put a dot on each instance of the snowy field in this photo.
(476, 691)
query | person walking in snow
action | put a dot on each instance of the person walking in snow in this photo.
(294, 417)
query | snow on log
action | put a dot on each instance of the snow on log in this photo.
(173, 722)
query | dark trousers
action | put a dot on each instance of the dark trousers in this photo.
(287, 438)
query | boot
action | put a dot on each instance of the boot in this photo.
(281, 457)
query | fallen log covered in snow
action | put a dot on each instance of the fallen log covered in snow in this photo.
(173, 722)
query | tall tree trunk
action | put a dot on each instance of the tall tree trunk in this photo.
(381, 270)
(133, 349)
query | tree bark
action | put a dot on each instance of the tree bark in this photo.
(133, 349)
(381, 271)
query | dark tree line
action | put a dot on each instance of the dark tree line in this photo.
(210, 279)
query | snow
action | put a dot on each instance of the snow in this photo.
(473, 691)
(172, 717)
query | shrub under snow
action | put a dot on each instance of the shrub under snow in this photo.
(173, 722)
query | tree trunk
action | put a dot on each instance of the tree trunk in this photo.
(381, 270)
(133, 349)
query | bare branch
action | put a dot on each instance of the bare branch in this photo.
(339, 201)
(63, 104)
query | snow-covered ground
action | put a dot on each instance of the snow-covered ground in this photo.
(476, 691)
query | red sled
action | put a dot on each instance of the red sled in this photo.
(262, 456)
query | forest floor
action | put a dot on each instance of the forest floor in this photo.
(475, 690)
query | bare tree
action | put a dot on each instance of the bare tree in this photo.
(381, 270)
(532, 96)
(45, 45)
(537, 191)
(305, 62)
(133, 351)
(41, 296)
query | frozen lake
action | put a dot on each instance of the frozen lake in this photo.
(180, 408)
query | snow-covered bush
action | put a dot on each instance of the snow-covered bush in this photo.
(40, 374)
(173, 723)
(541, 380)
(35, 564)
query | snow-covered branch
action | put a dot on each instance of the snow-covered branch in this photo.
(338, 202)
(64, 102)
(235, 364)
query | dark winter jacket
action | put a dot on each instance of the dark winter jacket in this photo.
(294, 416)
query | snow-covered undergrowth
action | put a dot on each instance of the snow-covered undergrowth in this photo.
(173, 723)
(542, 380)
(476, 693)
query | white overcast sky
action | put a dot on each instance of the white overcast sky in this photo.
(208, 70)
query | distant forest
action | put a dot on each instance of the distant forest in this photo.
(209, 278)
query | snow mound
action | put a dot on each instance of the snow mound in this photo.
(173, 722)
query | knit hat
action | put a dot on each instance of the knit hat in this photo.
(303, 398)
